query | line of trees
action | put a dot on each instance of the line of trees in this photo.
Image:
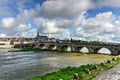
(85, 42)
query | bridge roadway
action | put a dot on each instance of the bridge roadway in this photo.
(75, 47)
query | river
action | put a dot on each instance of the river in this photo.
(19, 65)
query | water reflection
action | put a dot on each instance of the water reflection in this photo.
(18, 65)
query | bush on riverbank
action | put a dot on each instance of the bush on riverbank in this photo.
(67, 73)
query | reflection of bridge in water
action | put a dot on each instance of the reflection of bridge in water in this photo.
(92, 48)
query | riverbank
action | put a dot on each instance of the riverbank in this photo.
(67, 73)
(6, 46)
(111, 74)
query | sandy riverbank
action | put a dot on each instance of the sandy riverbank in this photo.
(6, 46)
(78, 59)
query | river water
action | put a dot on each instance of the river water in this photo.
(19, 65)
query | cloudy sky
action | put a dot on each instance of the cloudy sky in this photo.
(64, 19)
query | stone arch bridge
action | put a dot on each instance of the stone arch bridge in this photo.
(93, 48)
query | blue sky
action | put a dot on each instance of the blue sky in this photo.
(65, 19)
(94, 12)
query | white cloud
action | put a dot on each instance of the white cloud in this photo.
(110, 3)
(23, 27)
(3, 35)
(103, 26)
(29, 33)
(50, 27)
(8, 22)
(64, 8)
(57, 18)
(5, 11)
(21, 23)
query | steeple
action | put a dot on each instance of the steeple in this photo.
(37, 34)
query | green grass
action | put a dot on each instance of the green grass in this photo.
(67, 73)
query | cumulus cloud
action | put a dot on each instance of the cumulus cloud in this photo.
(50, 27)
(29, 33)
(7, 22)
(64, 8)
(5, 11)
(3, 35)
(63, 19)
(103, 27)
(110, 3)
(15, 17)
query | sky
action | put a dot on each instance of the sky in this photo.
(64, 19)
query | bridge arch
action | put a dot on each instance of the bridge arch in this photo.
(102, 50)
(32, 45)
(26, 46)
(66, 48)
(81, 49)
(78, 49)
(42, 46)
(52, 47)
(16, 46)
(118, 53)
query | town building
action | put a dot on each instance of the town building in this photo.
(41, 38)
(44, 38)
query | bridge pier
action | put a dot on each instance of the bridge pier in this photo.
(91, 49)
(114, 51)
(72, 48)
(58, 48)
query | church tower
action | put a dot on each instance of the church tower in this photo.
(37, 34)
